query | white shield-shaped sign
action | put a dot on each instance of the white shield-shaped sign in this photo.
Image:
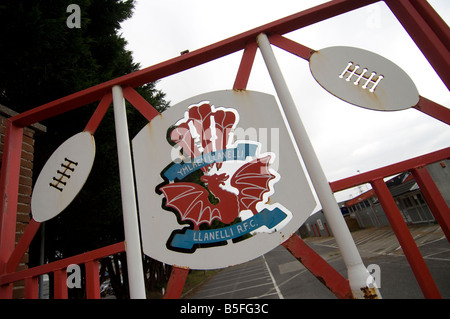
(219, 181)
(363, 78)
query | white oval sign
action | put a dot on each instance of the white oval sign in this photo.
(63, 176)
(363, 78)
(219, 181)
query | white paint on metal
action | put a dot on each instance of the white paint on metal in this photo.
(130, 217)
(363, 78)
(357, 272)
(63, 176)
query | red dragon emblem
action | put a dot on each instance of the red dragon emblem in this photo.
(192, 202)
(199, 192)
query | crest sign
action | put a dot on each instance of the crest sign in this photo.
(219, 181)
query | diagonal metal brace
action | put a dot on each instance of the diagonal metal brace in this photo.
(322, 270)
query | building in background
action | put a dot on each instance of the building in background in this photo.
(364, 210)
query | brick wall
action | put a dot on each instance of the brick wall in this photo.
(25, 183)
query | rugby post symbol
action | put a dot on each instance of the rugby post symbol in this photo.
(363, 78)
(63, 176)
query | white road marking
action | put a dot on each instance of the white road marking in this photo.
(233, 283)
(280, 295)
(437, 253)
(227, 292)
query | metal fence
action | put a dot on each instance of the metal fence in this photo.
(423, 24)
(368, 212)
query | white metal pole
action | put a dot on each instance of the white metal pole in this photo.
(129, 207)
(357, 273)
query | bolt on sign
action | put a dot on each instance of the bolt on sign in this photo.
(363, 78)
(219, 181)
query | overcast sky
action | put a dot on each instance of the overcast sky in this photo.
(347, 139)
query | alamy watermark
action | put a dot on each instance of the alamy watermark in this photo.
(73, 276)
(74, 19)
(374, 280)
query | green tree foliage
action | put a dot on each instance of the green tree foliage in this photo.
(42, 59)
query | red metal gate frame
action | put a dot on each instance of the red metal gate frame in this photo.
(423, 24)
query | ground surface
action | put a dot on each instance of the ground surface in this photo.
(278, 275)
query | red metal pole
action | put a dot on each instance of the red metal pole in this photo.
(22, 246)
(433, 109)
(92, 279)
(32, 288)
(434, 198)
(245, 67)
(434, 20)
(390, 170)
(176, 283)
(192, 59)
(424, 27)
(60, 284)
(291, 46)
(314, 230)
(327, 275)
(9, 188)
(318, 230)
(141, 104)
(99, 113)
(410, 249)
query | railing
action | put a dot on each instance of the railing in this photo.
(432, 195)
(417, 166)
(59, 271)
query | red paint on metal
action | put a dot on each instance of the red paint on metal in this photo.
(331, 278)
(314, 230)
(190, 60)
(360, 198)
(435, 201)
(22, 246)
(422, 27)
(176, 282)
(406, 240)
(99, 113)
(55, 266)
(433, 109)
(291, 46)
(60, 284)
(92, 279)
(62, 105)
(245, 67)
(32, 288)
(9, 188)
(434, 20)
(390, 170)
(318, 231)
(145, 108)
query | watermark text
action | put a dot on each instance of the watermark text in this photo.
(74, 19)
